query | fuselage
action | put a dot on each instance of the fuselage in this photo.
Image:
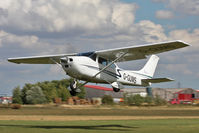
(84, 68)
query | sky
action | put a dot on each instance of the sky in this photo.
(40, 27)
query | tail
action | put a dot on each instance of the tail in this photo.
(150, 66)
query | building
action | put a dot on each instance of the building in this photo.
(164, 93)
(5, 100)
(171, 93)
(98, 91)
(93, 91)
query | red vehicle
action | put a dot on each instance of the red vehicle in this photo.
(182, 99)
(174, 101)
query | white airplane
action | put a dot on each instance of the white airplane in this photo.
(100, 67)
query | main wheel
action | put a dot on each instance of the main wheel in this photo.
(73, 85)
(116, 89)
(73, 88)
(73, 93)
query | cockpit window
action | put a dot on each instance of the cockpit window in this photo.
(102, 61)
(106, 62)
(93, 57)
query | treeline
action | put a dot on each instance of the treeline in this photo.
(44, 92)
(136, 100)
(148, 100)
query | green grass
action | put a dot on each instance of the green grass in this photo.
(127, 126)
(100, 111)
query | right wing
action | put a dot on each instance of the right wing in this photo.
(46, 59)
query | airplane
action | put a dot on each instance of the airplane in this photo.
(100, 66)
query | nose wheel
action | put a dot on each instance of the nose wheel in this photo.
(116, 89)
(74, 88)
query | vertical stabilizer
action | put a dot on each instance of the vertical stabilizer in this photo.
(150, 66)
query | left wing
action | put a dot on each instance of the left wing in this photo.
(157, 80)
(140, 52)
(46, 59)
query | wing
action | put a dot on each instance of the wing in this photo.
(140, 52)
(157, 80)
(46, 59)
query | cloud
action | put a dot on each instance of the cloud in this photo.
(189, 36)
(190, 7)
(159, 0)
(150, 32)
(65, 15)
(163, 14)
(179, 68)
(56, 70)
(31, 44)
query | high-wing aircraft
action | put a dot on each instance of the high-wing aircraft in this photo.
(100, 66)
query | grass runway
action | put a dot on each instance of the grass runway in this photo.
(116, 119)
(110, 126)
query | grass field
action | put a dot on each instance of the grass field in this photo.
(103, 111)
(127, 126)
(102, 119)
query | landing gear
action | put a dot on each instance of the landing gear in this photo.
(117, 86)
(73, 88)
(116, 89)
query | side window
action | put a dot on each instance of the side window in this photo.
(105, 62)
(102, 61)
(113, 66)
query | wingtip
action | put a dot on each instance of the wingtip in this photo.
(12, 61)
(183, 42)
(171, 79)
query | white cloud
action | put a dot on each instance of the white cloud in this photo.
(163, 14)
(183, 6)
(64, 15)
(122, 15)
(189, 7)
(31, 44)
(150, 32)
(56, 70)
(179, 68)
(191, 37)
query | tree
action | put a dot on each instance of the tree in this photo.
(135, 99)
(148, 100)
(63, 93)
(17, 96)
(159, 101)
(107, 99)
(35, 96)
(49, 90)
(24, 92)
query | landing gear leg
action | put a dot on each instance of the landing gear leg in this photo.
(73, 88)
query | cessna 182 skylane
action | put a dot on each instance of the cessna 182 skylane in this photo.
(100, 66)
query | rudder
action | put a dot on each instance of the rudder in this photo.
(150, 66)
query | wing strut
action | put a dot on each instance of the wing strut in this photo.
(55, 62)
(119, 57)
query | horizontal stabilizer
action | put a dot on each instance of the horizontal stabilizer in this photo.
(157, 80)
